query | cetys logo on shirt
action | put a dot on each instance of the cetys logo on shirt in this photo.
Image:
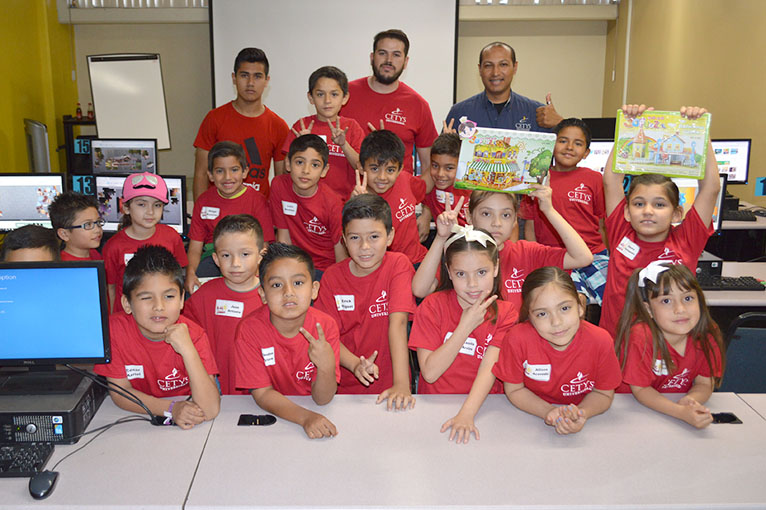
(668, 255)
(314, 226)
(307, 374)
(405, 210)
(514, 281)
(678, 381)
(577, 386)
(173, 381)
(581, 194)
(523, 124)
(380, 307)
(397, 117)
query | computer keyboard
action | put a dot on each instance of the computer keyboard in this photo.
(729, 283)
(739, 215)
(23, 459)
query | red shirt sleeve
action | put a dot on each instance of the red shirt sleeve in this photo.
(281, 132)
(426, 325)
(639, 362)
(418, 187)
(250, 369)
(206, 135)
(355, 134)
(509, 368)
(196, 230)
(401, 299)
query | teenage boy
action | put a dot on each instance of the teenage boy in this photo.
(370, 296)
(247, 121)
(289, 347)
(381, 101)
(328, 91)
(156, 352)
(30, 243)
(226, 170)
(381, 157)
(219, 305)
(76, 221)
(307, 213)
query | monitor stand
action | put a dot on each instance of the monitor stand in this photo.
(39, 382)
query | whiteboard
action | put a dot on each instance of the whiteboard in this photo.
(300, 36)
(128, 97)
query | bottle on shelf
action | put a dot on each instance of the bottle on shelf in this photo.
(78, 112)
(90, 111)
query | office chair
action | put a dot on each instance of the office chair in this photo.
(746, 355)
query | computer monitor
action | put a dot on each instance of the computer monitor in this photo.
(108, 191)
(687, 192)
(599, 153)
(123, 156)
(25, 198)
(733, 158)
(43, 325)
(601, 127)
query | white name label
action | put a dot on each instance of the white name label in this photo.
(628, 248)
(134, 371)
(289, 208)
(268, 356)
(210, 213)
(469, 346)
(537, 372)
(128, 256)
(345, 303)
(227, 308)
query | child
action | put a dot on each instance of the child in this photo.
(444, 155)
(219, 305)
(369, 297)
(454, 327)
(669, 343)
(328, 92)
(155, 352)
(289, 347)
(307, 213)
(578, 194)
(144, 197)
(496, 213)
(76, 221)
(381, 158)
(227, 166)
(552, 364)
(30, 243)
(639, 229)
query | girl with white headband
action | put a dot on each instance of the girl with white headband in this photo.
(668, 343)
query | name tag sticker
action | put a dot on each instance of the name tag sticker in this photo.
(227, 308)
(628, 248)
(660, 368)
(210, 213)
(289, 208)
(134, 371)
(537, 372)
(345, 303)
(469, 346)
(128, 256)
(268, 356)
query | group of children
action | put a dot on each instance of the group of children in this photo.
(497, 314)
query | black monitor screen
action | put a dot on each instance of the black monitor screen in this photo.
(123, 156)
(25, 198)
(53, 312)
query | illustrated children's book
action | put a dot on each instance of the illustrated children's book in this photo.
(503, 159)
(661, 143)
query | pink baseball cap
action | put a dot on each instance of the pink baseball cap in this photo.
(145, 185)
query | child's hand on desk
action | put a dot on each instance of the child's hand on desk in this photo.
(177, 335)
(397, 397)
(361, 182)
(462, 426)
(320, 351)
(570, 420)
(187, 414)
(366, 370)
(317, 426)
(304, 130)
(694, 413)
(338, 134)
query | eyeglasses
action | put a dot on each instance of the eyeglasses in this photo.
(89, 225)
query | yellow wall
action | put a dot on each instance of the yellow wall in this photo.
(696, 52)
(37, 83)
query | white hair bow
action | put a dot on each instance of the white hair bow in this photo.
(470, 234)
(651, 272)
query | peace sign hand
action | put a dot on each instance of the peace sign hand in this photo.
(373, 128)
(304, 130)
(338, 134)
(473, 316)
(448, 218)
(361, 182)
(320, 351)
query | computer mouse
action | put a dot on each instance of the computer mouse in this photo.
(41, 485)
(760, 212)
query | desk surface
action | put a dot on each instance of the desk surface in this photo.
(757, 401)
(133, 465)
(629, 457)
(758, 224)
(739, 297)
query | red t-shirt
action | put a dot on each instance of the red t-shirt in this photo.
(314, 222)
(578, 195)
(559, 377)
(518, 259)
(93, 254)
(219, 310)
(627, 252)
(265, 358)
(361, 307)
(261, 137)
(211, 207)
(341, 176)
(642, 369)
(436, 199)
(403, 111)
(152, 367)
(404, 195)
(120, 248)
(435, 320)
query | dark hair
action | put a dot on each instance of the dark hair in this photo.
(381, 146)
(236, 223)
(309, 141)
(65, 207)
(332, 73)
(277, 251)
(635, 312)
(446, 143)
(367, 206)
(151, 259)
(225, 149)
(479, 196)
(575, 122)
(543, 276)
(391, 33)
(671, 190)
(31, 236)
(461, 245)
(494, 44)
(251, 55)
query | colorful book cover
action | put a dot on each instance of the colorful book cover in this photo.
(661, 143)
(503, 159)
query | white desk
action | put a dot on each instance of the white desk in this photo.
(133, 465)
(631, 457)
(739, 297)
(757, 401)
